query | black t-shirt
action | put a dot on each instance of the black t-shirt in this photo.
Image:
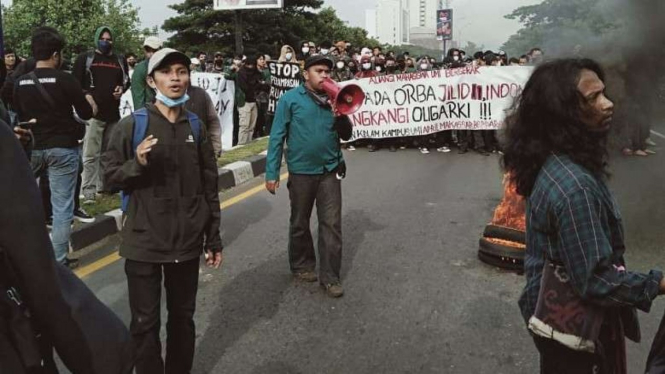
(106, 76)
(55, 127)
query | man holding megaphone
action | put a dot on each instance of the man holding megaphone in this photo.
(312, 120)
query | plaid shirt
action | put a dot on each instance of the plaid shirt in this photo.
(573, 219)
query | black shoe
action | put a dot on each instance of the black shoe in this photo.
(72, 263)
(371, 148)
(83, 216)
(482, 151)
(462, 151)
(392, 148)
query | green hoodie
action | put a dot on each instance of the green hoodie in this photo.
(99, 32)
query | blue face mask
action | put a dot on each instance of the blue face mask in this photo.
(171, 103)
(104, 46)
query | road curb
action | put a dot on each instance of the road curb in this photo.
(110, 223)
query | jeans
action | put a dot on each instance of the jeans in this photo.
(181, 281)
(96, 138)
(247, 116)
(326, 191)
(61, 166)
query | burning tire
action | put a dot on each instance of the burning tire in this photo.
(500, 262)
(505, 233)
(494, 252)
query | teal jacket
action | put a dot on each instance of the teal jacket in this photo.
(312, 142)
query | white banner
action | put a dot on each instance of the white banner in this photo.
(222, 93)
(422, 103)
(247, 4)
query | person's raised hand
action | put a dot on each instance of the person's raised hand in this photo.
(272, 186)
(144, 148)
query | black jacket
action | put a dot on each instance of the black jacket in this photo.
(249, 81)
(174, 202)
(63, 309)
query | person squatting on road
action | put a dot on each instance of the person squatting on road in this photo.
(173, 213)
(314, 159)
(555, 154)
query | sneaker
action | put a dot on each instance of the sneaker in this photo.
(305, 276)
(443, 149)
(333, 289)
(371, 148)
(640, 152)
(89, 198)
(351, 148)
(424, 150)
(650, 142)
(650, 151)
(72, 263)
(83, 216)
(462, 151)
(49, 222)
(482, 151)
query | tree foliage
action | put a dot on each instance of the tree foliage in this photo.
(76, 20)
(199, 27)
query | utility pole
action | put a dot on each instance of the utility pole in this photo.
(238, 32)
(445, 42)
(2, 35)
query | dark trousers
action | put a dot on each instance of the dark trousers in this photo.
(326, 191)
(556, 358)
(145, 288)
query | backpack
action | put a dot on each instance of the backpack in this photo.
(88, 63)
(140, 131)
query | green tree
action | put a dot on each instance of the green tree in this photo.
(76, 20)
(199, 27)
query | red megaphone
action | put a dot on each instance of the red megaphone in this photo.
(344, 100)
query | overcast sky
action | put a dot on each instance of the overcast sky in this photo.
(480, 21)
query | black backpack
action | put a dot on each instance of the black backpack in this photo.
(17, 325)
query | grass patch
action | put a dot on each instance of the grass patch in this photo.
(241, 153)
(103, 204)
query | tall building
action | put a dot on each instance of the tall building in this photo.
(392, 21)
(423, 21)
(370, 23)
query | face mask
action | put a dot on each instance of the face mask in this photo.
(423, 66)
(456, 58)
(305, 50)
(171, 103)
(104, 46)
(340, 65)
(378, 68)
(324, 51)
(288, 56)
(367, 66)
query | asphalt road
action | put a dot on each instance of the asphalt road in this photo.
(417, 299)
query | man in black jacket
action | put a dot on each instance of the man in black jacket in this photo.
(46, 96)
(172, 216)
(249, 81)
(103, 74)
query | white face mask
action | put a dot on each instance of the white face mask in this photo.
(423, 66)
(324, 51)
(367, 66)
(456, 58)
(288, 56)
(305, 50)
(378, 68)
(340, 65)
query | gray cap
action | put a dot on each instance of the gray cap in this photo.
(153, 42)
(167, 55)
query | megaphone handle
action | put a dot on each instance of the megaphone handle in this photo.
(334, 108)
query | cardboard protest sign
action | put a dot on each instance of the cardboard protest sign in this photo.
(283, 77)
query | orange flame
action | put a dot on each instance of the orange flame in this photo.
(511, 212)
